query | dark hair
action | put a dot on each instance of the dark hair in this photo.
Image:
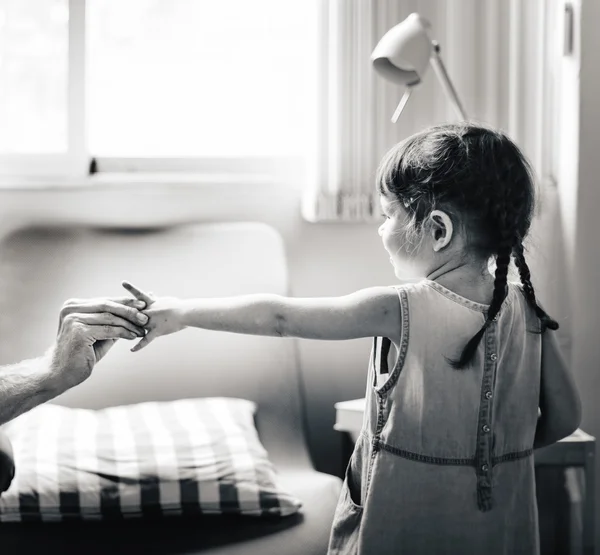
(483, 181)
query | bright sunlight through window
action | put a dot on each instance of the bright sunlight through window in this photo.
(199, 77)
(163, 78)
(33, 76)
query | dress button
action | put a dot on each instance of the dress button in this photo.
(485, 428)
(484, 467)
(493, 356)
(488, 394)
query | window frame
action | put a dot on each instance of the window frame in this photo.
(74, 161)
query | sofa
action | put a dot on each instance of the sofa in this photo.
(41, 267)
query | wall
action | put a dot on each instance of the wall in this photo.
(580, 112)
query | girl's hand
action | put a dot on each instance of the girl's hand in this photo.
(164, 315)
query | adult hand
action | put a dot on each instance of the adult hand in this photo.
(87, 329)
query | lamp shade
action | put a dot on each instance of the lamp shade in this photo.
(402, 55)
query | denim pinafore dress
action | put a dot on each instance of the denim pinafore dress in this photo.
(444, 461)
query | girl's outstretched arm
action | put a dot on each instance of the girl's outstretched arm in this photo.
(372, 312)
(560, 405)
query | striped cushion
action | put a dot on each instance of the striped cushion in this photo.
(190, 456)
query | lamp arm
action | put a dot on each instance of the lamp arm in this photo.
(402, 104)
(442, 74)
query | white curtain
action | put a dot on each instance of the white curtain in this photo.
(492, 50)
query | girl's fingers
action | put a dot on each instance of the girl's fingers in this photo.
(150, 336)
(138, 293)
(127, 301)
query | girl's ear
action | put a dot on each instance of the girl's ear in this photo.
(441, 229)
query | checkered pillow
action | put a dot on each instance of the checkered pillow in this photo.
(190, 457)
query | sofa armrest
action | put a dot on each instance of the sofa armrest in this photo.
(7, 462)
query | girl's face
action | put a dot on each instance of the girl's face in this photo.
(406, 258)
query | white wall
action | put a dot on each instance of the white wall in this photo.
(580, 193)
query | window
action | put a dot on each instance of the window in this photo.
(33, 76)
(155, 84)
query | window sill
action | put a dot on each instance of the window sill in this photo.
(134, 180)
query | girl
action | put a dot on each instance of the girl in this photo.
(444, 463)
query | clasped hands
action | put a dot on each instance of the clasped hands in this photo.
(163, 315)
(88, 328)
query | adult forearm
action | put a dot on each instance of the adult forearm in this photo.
(25, 385)
(248, 314)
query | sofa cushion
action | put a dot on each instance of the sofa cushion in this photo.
(183, 457)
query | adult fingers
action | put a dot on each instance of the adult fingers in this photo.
(128, 301)
(106, 319)
(150, 336)
(104, 332)
(138, 293)
(124, 299)
(124, 307)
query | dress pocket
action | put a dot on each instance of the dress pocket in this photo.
(352, 484)
(347, 517)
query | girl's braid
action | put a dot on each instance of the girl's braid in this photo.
(545, 320)
(506, 229)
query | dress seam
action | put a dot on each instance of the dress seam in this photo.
(444, 461)
(463, 301)
(404, 314)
